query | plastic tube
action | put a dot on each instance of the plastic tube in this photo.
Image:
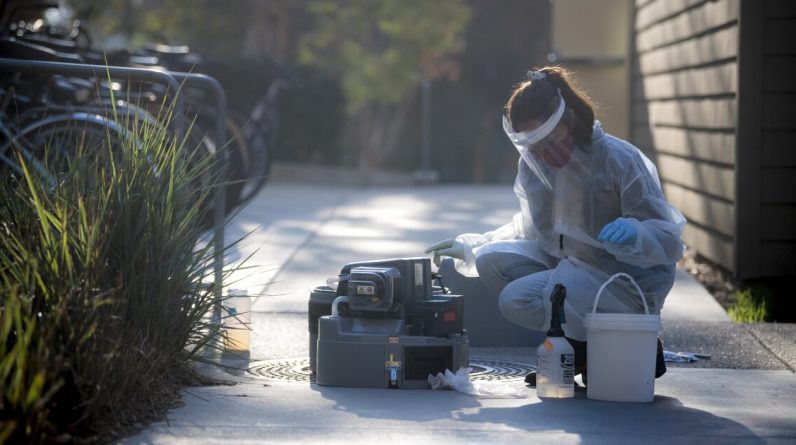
(332, 281)
(338, 300)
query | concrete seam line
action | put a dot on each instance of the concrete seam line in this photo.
(314, 234)
(765, 346)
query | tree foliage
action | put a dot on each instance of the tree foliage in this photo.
(209, 25)
(383, 48)
(380, 50)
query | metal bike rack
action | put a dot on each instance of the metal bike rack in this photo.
(100, 71)
(170, 81)
(215, 89)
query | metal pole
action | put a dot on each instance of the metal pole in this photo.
(425, 136)
(425, 174)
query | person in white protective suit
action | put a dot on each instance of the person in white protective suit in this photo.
(591, 206)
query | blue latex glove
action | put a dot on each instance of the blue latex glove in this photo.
(618, 232)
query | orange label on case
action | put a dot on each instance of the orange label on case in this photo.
(548, 345)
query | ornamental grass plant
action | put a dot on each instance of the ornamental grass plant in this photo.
(752, 305)
(104, 260)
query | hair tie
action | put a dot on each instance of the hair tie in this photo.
(536, 75)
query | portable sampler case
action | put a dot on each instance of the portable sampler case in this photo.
(391, 327)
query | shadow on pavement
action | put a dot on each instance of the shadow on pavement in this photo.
(666, 418)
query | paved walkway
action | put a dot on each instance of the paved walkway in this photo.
(297, 235)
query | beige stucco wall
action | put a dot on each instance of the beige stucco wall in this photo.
(592, 38)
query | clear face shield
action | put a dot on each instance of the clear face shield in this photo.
(545, 148)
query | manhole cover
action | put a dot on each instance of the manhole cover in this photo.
(298, 370)
(294, 370)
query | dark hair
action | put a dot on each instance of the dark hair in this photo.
(536, 100)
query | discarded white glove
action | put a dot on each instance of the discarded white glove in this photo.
(449, 247)
(460, 381)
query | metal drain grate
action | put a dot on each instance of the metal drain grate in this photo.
(298, 370)
(294, 370)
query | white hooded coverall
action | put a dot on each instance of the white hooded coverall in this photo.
(553, 238)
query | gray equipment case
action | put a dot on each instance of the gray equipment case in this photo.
(392, 330)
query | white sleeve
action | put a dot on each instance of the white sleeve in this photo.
(514, 229)
(659, 225)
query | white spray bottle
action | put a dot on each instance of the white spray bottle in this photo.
(555, 365)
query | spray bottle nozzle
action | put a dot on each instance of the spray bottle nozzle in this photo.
(558, 318)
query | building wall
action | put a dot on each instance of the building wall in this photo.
(714, 89)
(684, 81)
(591, 38)
(777, 164)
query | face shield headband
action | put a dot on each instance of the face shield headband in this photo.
(527, 138)
(523, 141)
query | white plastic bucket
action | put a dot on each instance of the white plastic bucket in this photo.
(621, 352)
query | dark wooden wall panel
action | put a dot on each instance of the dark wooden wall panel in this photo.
(710, 48)
(711, 146)
(703, 81)
(778, 259)
(688, 24)
(714, 213)
(709, 179)
(778, 72)
(778, 161)
(778, 36)
(778, 185)
(780, 8)
(778, 222)
(749, 138)
(656, 11)
(699, 113)
(779, 148)
(779, 110)
(710, 245)
(713, 94)
(684, 112)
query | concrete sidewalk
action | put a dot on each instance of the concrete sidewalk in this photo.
(300, 234)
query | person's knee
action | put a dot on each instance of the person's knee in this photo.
(506, 304)
(521, 308)
(485, 265)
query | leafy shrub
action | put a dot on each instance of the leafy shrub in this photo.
(101, 282)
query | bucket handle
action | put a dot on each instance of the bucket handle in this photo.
(617, 275)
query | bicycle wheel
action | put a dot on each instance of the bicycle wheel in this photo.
(239, 163)
(239, 160)
(49, 146)
(256, 158)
